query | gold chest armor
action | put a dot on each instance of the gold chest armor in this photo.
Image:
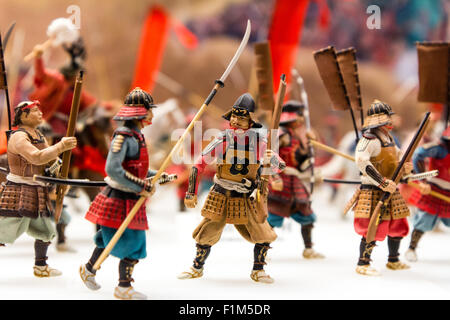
(387, 161)
(239, 162)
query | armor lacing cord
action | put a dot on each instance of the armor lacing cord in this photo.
(40, 250)
(415, 238)
(134, 179)
(126, 267)
(393, 246)
(202, 253)
(260, 253)
(365, 251)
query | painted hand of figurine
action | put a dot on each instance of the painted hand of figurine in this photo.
(190, 200)
(390, 186)
(268, 156)
(68, 143)
(424, 188)
(38, 50)
(311, 135)
(148, 189)
(408, 167)
(166, 178)
(276, 184)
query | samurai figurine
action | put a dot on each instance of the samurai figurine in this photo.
(288, 195)
(127, 168)
(377, 157)
(239, 152)
(24, 203)
(430, 209)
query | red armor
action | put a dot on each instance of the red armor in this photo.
(428, 203)
(109, 210)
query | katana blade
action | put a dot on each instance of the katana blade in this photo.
(238, 52)
(70, 182)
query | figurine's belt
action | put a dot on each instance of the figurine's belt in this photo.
(229, 193)
(369, 187)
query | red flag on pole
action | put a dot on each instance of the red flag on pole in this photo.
(284, 36)
(153, 41)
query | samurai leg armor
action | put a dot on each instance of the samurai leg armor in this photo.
(41, 269)
(306, 235)
(393, 261)
(393, 246)
(365, 251)
(202, 253)
(89, 266)
(40, 252)
(415, 238)
(60, 230)
(126, 267)
(260, 253)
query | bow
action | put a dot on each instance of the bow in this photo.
(66, 155)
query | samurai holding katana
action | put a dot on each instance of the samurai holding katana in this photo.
(127, 167)
(377, 157)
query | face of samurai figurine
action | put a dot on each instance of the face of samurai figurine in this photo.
(299, 121)
(148, 119)
(389, 126)
(239, 122)
(32, 118)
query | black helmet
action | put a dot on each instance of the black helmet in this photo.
(378, 115)
(242, 107)
(136, 104)
(139, 97)
(379, 107)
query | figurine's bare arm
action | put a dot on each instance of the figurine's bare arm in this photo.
(20, 143)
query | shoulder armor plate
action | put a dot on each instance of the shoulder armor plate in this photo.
(117, 143)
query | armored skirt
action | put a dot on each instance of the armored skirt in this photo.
(25, 208)
(224, 206)
(109, 209)
(430, 204)
(393, 221)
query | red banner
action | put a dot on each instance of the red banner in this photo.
(153, 41)
(284, 36)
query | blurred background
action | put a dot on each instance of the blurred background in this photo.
(199, 37)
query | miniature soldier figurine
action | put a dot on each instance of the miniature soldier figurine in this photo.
(238, 151)
(64, 220)
(55, 88)
(24, 203)
(127, 169)
(288, 196)
(430, 209)
(377, 158)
